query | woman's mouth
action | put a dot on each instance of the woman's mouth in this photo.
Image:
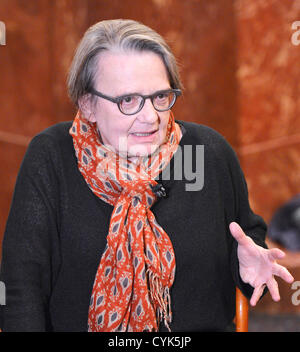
(144, 136)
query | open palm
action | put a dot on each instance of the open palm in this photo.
(258, 265)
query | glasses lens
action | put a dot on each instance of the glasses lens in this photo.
(164, 101)
(130, 104)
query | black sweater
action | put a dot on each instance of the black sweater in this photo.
(56, 233)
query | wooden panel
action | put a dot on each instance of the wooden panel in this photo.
(269, 107)
(25, 68)
(267, 70)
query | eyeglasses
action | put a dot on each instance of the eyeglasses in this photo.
(131, 104)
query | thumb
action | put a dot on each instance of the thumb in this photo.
(238, 233)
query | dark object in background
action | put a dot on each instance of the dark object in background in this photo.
(284, 227)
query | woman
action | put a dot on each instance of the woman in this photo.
(98, 237)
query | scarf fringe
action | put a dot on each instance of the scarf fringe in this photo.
(161, 298)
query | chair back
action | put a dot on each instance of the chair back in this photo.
(242, 312)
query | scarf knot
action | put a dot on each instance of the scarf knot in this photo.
(139, 191)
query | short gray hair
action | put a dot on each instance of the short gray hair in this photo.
(120, 34)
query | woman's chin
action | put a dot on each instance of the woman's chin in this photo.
(141, 150)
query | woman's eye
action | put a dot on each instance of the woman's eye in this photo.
(127, 100)
(162, 98)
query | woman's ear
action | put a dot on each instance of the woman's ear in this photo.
(86, 107)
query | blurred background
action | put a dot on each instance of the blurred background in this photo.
(239, 64)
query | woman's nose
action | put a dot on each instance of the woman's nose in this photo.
(148, 114)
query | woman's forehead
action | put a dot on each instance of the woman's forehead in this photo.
(131, 71)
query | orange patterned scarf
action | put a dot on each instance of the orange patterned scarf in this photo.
(137, 268)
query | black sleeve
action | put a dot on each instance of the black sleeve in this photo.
(237, 209)
(30, 236)
(252, 224)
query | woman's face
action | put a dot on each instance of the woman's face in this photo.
(121, 73)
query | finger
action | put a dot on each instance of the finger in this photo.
(257, 293)
(273, 288)
(238, 233)
(283, 273)
(276, 253)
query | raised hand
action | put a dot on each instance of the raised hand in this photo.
(258, 265)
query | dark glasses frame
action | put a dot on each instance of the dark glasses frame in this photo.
(118, 100)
